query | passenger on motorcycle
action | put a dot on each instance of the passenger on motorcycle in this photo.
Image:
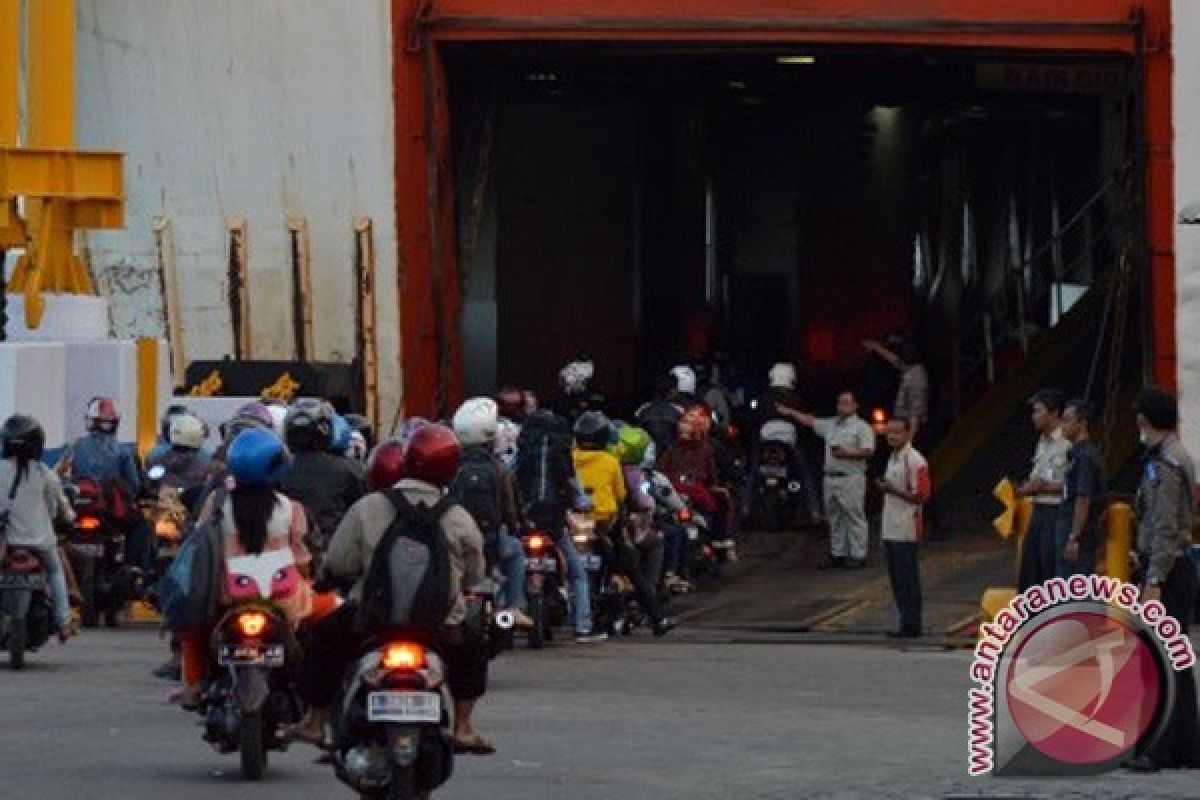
(31, 499)
(549, 488)
(325, 483)
(262, 538)
(691, 465)
(488, 491)
(648, 536)
(99, 457)
(429, 463)
(603, 479)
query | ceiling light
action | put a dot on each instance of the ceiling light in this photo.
(792, 60)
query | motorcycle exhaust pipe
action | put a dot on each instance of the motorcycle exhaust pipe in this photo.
(505, 620)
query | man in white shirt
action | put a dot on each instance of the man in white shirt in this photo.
(906, 488)
(1045, 486)
(849, 444)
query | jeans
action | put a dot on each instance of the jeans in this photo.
(512, 563)
(577, 580)
(674, 542)
(58, 583)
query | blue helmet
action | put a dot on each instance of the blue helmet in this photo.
(258, 457)
(342, 432)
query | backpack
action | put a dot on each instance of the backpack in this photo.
(660, 418)
(544, 464)
(190, 589)
(476, 488)
(409, 584)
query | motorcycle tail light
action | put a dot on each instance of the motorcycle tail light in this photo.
(89, 523)
(535, 542)
(252, 623)
(685, 515)
(404, 655)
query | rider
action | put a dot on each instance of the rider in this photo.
(488, 491)
(780, 398)
(691, 462)
(422, 472)
(99, 457)
(660, 416)
(647, 536)
(326, 484)
(31, 499)
(577, 392)
(185, 460)
(163, 445)
(604, 480)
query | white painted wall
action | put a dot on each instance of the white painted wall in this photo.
(259, 109)
(1186, 90)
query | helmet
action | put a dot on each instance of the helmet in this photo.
(187, 431)
(385, 465)
(507, 433)
(173, 410)
(341, 435)
(278, 413)
(631, 445)
(410, 427)
(780, 431)
(432, 455)
(362, 426)
(592, 428)
(576, 375)
(102, 416)
(511, 403)
(357, 449)
(309, 424)
(23, 437)
(695, 423)
(685, 379)
(782, 376)
(476, 420)
(251, 415)
(257, 457)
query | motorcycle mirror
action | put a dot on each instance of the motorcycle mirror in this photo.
(156, 472)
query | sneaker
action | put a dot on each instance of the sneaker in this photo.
(664, 626)
(591, 637)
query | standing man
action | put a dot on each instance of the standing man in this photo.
(849, 444)
(1084, 495)
(1165, 511)
(1045, 486)
(906, 488)
(912, 396)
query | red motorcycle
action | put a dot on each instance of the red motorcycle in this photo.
(26, 612)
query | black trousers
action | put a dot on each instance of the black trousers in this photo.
(1180, 742)
(1037, 553)
(905, 574)
(621, 556)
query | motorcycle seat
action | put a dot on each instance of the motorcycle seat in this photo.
(24, 561)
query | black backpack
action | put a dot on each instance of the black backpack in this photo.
(476, 488)
(544, 464)
(660, 418)
(409, 585)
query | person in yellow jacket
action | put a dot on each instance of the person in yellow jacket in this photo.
(604, 481)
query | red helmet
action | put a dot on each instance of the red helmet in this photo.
(102, 415)
(511, 403)
(385, 466)
(695, 423)
(433, 455)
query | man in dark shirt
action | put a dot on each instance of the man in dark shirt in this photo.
(1084, 495)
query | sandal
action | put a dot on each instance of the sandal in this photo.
(475, 745)
(296, 733)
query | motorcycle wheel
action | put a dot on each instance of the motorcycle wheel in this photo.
(403, 785)
(537, 612)
(16, 643)
(252, 747)
(87, 588)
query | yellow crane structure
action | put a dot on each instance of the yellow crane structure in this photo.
(62, 189)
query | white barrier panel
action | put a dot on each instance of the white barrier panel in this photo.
(68, 317)
(214, 411)
(32, 381)
(110, 367)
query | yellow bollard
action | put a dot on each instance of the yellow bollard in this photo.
(1118, 541)
(995, 598)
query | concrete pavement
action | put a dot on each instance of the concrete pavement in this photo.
(630, 719)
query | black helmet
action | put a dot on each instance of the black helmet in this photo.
(592, 428)
(23, 437)
(309, 425)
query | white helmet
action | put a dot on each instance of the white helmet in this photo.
(685, 379)
(575, 376)
(476, 421)
(278, 417)
(779, 430)
(507, 433)
(186, 431)
(782, 376)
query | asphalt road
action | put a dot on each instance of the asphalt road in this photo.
(635, 719)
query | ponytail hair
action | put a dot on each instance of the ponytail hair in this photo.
(252, 510)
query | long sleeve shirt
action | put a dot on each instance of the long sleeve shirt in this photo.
(1165, 508)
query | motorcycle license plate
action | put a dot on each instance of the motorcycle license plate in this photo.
(250, 655)
(22, 580)
(543, 564)
(591, 563)
(89, 549)
(693, 533)
(404, 707)
(773, 471)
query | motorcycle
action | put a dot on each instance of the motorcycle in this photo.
(165, 507)
(96, 546)
(704, 553)
(545, 589)
(614, 608)
(777, 493)
(393, 724)
(26, 612)
(250, 697)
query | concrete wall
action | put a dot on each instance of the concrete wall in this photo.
(262, 110)
(1186, 91)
